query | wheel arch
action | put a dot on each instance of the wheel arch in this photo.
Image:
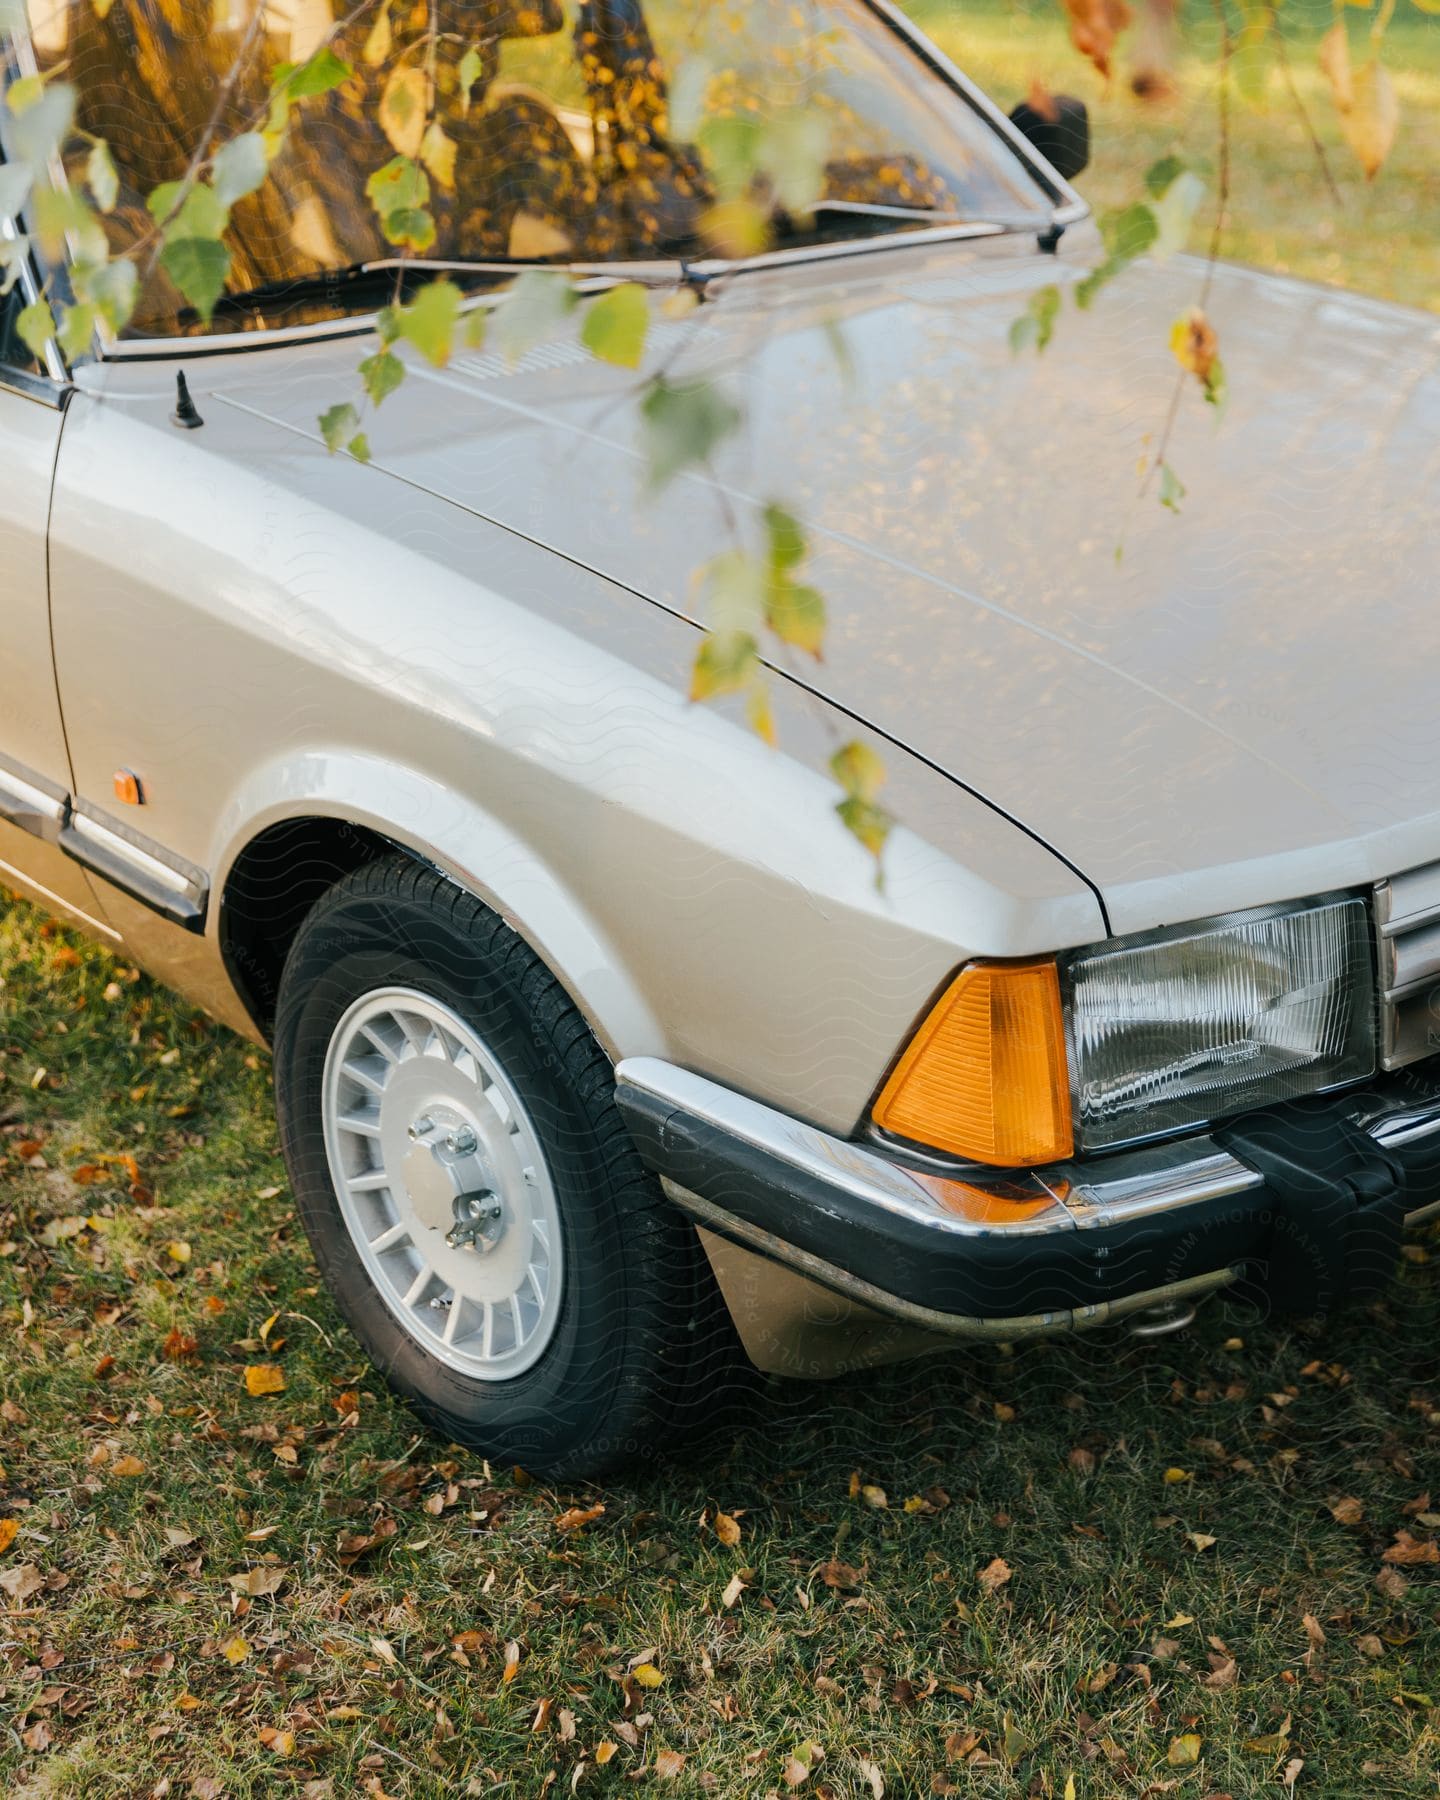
(296, 831)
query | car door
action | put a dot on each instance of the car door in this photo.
(34, 765)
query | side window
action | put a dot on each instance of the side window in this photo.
(13, 353)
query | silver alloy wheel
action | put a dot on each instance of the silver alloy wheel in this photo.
(442, 1184)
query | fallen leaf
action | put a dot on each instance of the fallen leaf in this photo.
(1347, 1510)
(727, 1529)
(1410, 1551)
(870, 1772)
(264, 1378)
(22, 1581)
(127, 1466)
(512, 1662)
(647, 1675)
(1184, 1750)
(840, 1575)
(604, 1750)
(994, 1575)
(734, 1588)
(9, 1529)
(267, 1579)
(235, 1650)
(574, 1517)
(874, 1496)
(1201, 1540)
(1392, 1584)
(668, 1764)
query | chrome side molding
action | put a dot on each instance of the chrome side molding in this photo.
(124, 857)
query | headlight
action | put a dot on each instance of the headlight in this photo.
(1174, 1028)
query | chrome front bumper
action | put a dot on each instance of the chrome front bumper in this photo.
(985, 1252)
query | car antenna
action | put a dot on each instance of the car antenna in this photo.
(184, 415)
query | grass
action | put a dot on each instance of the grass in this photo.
(1382, 237)
(1167, 1516)
(1093, 1558)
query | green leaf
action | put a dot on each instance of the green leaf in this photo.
(1161, 174)
(616, 325)
(786, 537)
(41, 125)
(338, 424)
(1044, 309)
(731, 147)
(533, 310)
(359, 447)
(866, 821)
(397, 186)
(477, 325)
(64, 220)
(1172, 490)
(1129, 231)
(1175, 213)
(858, 770)
(796, 614)
(239, 167)
(77, 329)
(101, 177)
(429, 321)
(734, 587)
(21, 95)
(198, 267)
(681, 426)
(724, 664)
(15, 182)
(1023, 333)
(110, 287)
(35, 326)
(471, 69)
(412, 228)
(196, 212)
(317, 75)
(382, 374)
(793, 153)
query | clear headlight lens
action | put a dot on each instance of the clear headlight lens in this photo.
(1181, 1027)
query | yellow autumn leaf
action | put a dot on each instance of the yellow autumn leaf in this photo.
(263, 1378)
(1372, 119)
(236, 1650)
(647, 1675)
(127, 1465)
(1184, 1750)
(1334, 58)
(9, 1529)
(1174, 1476)
(437, 152)
(727, 1528)
(178, 1251)
(512, 1662)
(404, 105)
(377, 45)
(604, 1750)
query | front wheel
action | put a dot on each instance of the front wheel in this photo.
(471, 1193)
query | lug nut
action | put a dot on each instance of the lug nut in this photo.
(461, 1141)
(422, 1126)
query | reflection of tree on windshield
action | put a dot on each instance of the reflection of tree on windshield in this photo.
(565, 146)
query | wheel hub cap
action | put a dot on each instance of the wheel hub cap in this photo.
(442, 1183)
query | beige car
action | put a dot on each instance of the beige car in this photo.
(601, 1056)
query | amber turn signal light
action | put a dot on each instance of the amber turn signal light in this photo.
(985, 1076)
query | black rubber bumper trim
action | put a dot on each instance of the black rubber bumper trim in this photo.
(994, 1275)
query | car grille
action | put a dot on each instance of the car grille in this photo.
(1407, 923)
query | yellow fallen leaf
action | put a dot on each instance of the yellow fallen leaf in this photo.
(512, 1661)
(1184, 1750)
(9, 1530)
(188, 1703)
(1174, 1476)
(263, 1378)
(1201, 1539)
(727, 1529)
(874, 1496)
(236, 1650)
(647, 1675)
(178, 1250)
(127, 1465)
(604, 1750)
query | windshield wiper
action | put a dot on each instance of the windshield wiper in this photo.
(335, 285)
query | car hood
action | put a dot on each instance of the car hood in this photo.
(1202, 710)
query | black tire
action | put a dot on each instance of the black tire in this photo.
(643, 1351)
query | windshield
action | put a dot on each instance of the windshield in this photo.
(582, 131)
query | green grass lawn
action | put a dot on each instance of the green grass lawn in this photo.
(988, 1574)
(1383, 237)
(1142, 1570)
